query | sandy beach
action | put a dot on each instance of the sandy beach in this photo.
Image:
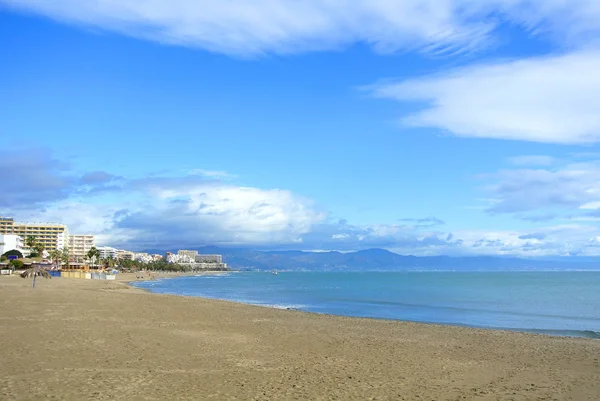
(76, 339)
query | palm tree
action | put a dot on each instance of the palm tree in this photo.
(109, 262)
(39, 248)
(56, 256)
(34, 272)
(31, 243)
(65, 257)
(93, 254)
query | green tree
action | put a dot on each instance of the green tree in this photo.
(16, 264)
(109, 262)
(32, 243)
(65, 257)
(94, 255)
(39, 248)
(56, 257)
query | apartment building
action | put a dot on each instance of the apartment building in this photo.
(208, 259)
(189, 254)
(51, 236)
(107, 252)
(79, 245)
(125, 255)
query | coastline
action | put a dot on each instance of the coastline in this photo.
(83, 339)
(132, 277)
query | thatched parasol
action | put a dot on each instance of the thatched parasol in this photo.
(34, 272)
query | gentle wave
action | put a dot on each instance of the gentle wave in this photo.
(463, 309)
(562, 333)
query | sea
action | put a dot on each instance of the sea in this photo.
(565, 303)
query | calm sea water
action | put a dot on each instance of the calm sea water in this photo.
(560, 303)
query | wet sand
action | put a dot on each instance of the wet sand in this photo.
(77, 339)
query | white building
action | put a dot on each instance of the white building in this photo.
(9, 242)
(62, 240)
(208, 259)
(107, 252)
(172, 258)
(122, 254)
(79, 245)
(184, 252)
(142, 257)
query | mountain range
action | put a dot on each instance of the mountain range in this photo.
(381, 259)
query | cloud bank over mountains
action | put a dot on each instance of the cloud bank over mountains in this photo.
(193, 210)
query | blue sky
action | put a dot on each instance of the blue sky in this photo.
(424, 127)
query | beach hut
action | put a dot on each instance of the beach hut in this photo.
(5, 269)
(74, 270)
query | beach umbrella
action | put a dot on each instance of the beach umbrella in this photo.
(34, 272)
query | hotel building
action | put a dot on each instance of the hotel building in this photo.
(79, 245)
(190, 254)
(51, 236)
(208, 258)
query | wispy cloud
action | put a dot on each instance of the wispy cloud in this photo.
(424, 222)
(545, 99)
(538, 236)
(557, 240)
(537, 218)
(215, 174)
(545, 192)
(289, 26)
(97, 177)
(532, 160)
(554, 240)
(33, 177)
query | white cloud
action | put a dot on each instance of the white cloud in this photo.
(570, 191)
(591, 205)
(163, 211)
(546, 99)
(195, 212)
(215, 174)
(531, 160)
(288, 26)
(558, 240)
(191, 211)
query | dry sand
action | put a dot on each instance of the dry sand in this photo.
(79, 339)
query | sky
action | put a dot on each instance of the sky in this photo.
(425, 127)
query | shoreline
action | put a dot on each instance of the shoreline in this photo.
(586, 334)
(88, 339)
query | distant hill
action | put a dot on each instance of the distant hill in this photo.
(380, 259)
